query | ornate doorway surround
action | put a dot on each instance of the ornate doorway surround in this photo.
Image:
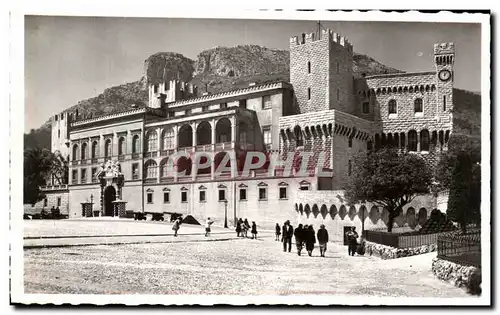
(110, 175)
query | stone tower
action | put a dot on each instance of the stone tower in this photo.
(444, 57)
(321, 72)
(60, 133)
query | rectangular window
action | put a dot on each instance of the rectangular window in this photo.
(171, 114)
(262, 193)
(266, 132)
(304, 187)
(366, 107)
(135, 171)
(166, 197)
(188, 112)
(59, 133)
(45, 201)
(308, 93)
(349, 142)
(58, 201)
(222, 194)
(243, 194)
(223, 105)
(149, 197)
(93, 172)
(283, 193)
(184, 196)
(202, 196)
(243, 103)
(444, 103)
(266, 102)
(338, 94)
(74, 177)
(349, 170)
(204, 108)
(338, 67)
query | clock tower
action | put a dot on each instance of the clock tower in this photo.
(444, 57)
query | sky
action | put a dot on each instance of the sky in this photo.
(68, 59)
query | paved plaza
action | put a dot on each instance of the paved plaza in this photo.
(193, 264)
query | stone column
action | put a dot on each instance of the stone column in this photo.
(114, 144)
(214, 140)
(128, 139)
(233, 132)
(175, 128)
(159, 142)
(101, 147)
(418, 141)
(193, 127)
(212, 166)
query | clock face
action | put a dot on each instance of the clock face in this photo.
(444, 75)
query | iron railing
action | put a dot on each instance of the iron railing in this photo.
(463, 249)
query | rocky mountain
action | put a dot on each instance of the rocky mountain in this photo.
(221, 69)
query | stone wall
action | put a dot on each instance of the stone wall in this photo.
(53, 197)
(330, 208)
(388, 252)
(466, 277)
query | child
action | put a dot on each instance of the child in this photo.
(254, 230)
(278, 232)
(207, 226)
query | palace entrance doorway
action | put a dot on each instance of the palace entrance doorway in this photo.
(109, 197)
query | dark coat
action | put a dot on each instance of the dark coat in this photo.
(322, 236)
(238, 227)
(287, 231)
(299, 235)
(278, 230)
(310, 238)
(254, 228)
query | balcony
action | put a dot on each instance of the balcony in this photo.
(84, 161)
(151, 180)
(223, 146)
(166, 180)
(121, 157)
(75, 162)
(187, 150)
(135, 176)
(54, 187)
(167, 152)
(151, 154)
(204, 148)
(246, 146)
(136, 156)
(93, 160)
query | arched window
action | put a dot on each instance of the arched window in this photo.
(107, 148)
(93, 151)
(412, 140)
(418, 106)
(298, 136)
(84, 151)
(152, 141)
(121, 146)
(168, 139)
(393, 107)
(75, 152)
(151, 169)
(424, 140)
(135, 144)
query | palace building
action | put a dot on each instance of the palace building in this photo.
(324, 109)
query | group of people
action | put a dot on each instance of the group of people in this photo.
(242, 227)
(304, 235)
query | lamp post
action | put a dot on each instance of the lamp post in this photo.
(92, 204)
(225, 213)
(363, 217)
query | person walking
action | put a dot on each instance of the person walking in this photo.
(238, 227)
(352, 243)
(177, 226)
(278, 231)
(246, 227)
(254, 230)
(287, 236)
(322, 239)
(310, 238)
(299, 238)
(207, 226)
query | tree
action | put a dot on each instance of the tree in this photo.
(37, 166)
(459, 172)
(388, 179)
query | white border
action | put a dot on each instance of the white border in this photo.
(150, 9)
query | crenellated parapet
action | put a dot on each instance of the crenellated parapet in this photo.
(334, 38)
